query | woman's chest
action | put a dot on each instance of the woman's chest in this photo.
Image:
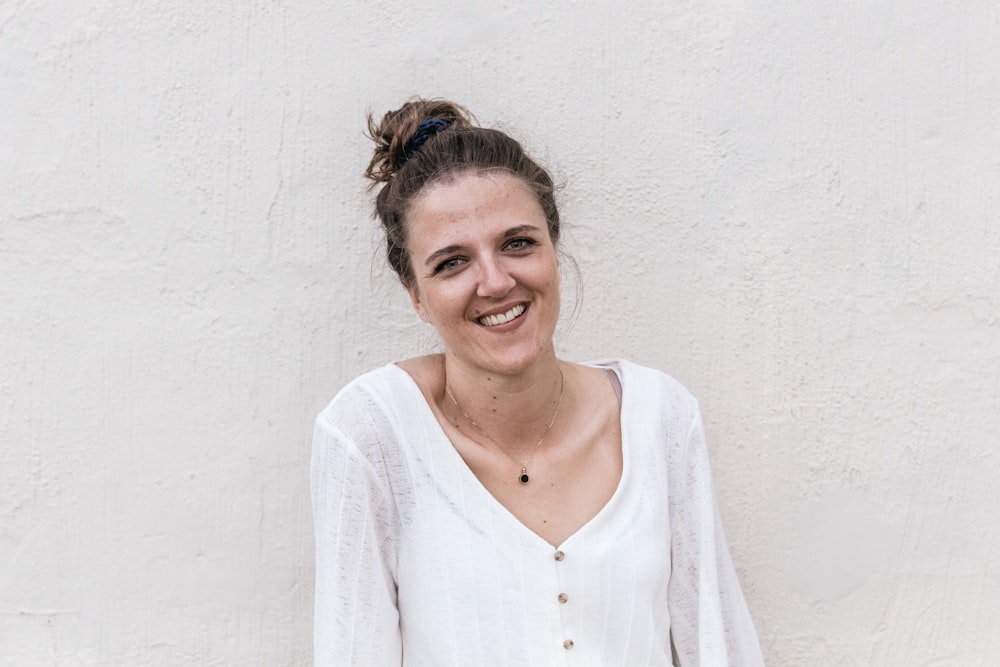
(559, 489)
(469, 572)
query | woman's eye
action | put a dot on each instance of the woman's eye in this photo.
(447, 265)
(519, 243)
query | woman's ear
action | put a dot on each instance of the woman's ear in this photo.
(418, 305)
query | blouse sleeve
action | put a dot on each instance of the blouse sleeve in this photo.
(709, 620)
(356, 620)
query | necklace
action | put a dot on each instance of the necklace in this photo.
(523, 477)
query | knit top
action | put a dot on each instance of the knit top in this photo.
(418, 564)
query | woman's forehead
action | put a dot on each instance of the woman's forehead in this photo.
(470, 197)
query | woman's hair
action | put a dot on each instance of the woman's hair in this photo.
(428, 141)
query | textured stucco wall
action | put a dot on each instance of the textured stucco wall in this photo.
(792, 207)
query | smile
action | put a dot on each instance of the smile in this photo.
(503, 318)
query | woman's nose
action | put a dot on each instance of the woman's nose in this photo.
(494, 279)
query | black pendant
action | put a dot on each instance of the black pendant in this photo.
(523, 478)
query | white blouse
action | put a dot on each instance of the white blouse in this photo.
(418, 564)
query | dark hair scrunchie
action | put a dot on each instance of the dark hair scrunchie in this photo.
(425, 131)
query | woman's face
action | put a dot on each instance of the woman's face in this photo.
(485, 272)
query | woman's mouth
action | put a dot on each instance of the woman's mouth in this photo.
(502, 318)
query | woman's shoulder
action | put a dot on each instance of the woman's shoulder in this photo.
(365, 420)
(426, 372)
(639, 379)
(372, 392)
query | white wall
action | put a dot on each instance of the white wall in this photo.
(793, 207)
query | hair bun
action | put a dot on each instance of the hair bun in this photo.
(400, 133)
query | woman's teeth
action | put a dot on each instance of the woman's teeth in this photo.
(502, 318)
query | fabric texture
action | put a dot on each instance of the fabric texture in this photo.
(418, 565)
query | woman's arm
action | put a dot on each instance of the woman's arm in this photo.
(709, 622)
(356, 620)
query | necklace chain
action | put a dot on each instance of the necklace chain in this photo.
(523, 477)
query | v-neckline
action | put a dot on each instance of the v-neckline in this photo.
(470, 480)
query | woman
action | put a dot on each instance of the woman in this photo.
(493, 504)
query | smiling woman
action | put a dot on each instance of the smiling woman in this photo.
(494, 504)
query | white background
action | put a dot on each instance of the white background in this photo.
(792, 207)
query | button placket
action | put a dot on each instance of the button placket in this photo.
(563, 598)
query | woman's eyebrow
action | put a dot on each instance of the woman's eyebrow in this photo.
(521, 229)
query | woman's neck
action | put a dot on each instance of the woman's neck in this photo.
(512, 410)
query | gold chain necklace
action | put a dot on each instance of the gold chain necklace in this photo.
(523, 477)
